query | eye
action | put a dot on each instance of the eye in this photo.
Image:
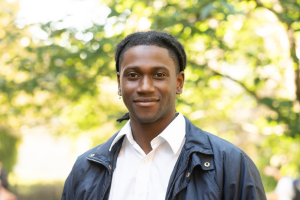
(132, 75)
(159, 75)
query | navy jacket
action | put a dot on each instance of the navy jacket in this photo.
(208, 168)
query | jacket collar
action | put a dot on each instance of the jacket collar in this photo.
(196, 141)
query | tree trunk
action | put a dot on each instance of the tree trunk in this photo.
(296, 66)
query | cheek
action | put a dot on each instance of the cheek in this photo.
(167, 90)
(127, 89)
(170, 86)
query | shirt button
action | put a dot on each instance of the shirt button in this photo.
(145, 161)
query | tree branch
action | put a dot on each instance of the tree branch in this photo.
(252, 93)
(238, 82)
(234, 80)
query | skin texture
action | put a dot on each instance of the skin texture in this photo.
(148, 83)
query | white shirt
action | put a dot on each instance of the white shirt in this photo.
(146, 177)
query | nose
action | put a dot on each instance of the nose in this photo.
(145, 85)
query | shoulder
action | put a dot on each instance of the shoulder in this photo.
(82, 159)
(82, 166)
(228, 155)
(101, 150)
(221, 146)
(236, 167)
(208, 143)
(225, 154)
(83, 163)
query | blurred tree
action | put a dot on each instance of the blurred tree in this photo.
(9, 47)
(8, 147)
(242, 77)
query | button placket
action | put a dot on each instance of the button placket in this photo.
(142, 178)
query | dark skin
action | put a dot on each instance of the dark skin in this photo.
(148, 82)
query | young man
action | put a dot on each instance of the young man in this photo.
(159, 154)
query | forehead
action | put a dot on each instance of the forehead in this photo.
(147, 56)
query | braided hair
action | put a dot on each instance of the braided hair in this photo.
(160, 39)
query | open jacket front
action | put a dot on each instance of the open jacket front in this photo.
(208, 168)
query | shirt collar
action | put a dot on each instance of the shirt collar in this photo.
(174, 133)
(126, 130)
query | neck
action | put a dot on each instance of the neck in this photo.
(144, 133)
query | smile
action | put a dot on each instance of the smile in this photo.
(145, 102)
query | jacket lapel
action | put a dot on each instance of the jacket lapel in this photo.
(196, 151)
(103, 156)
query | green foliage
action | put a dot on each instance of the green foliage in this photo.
(8, 150)
(8, 114)
(239, 55)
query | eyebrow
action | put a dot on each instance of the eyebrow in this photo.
(137, 68)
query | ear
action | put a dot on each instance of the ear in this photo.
(119, 83)
(180, 82)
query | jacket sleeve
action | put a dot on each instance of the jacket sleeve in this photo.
(64, 194)
(69, 190)
(242, 180)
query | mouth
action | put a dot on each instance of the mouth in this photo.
(146, 102)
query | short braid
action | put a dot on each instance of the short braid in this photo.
(125, 117)
(160, 39)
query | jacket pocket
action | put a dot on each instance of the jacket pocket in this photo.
(198, 185)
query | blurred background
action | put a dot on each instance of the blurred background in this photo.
(58, 89)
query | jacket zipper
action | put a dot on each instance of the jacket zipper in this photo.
(108, 171)
(180, 173)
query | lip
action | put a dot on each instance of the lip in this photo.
(145, 102)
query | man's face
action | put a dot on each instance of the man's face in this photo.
(148, 83)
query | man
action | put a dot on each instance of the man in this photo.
(159, 154)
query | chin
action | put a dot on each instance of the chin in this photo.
(146, 118)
